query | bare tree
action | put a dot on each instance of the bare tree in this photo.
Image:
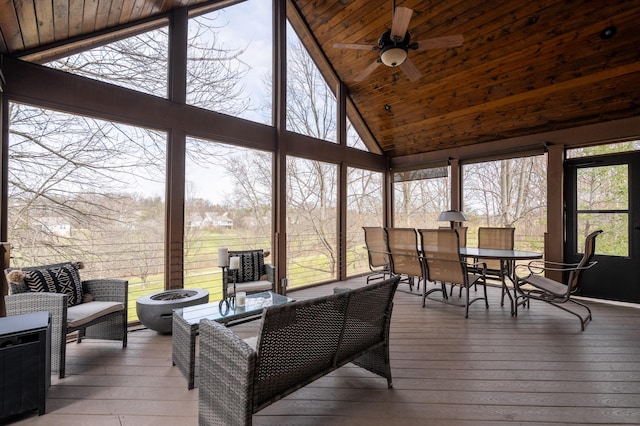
(69, 169)
(311, 185)
(418, 202)
(311, 105)
(507, 193)
(364, 208)
(311, 215)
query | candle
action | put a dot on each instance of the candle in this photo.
(223, 256)
(234, 262)
(241, 297)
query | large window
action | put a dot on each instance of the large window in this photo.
(87, 190)
(353, 138)
(507, 193)
(311, 105)
(364, 208)
(229, 61)
(420, 196)
(138, 63)
(312, 252)
(227, 204)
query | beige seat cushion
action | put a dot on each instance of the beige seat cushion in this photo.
(252, 342)
(87, 312)
(250, 287)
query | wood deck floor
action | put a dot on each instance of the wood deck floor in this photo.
(491, 369)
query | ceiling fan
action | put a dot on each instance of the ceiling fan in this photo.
(394, 45)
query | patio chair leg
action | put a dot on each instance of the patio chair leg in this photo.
(466, 313)
(486, 299)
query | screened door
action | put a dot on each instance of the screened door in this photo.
(604, 193)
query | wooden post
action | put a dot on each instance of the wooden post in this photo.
(280, 160)
(554, 237)
(5, 255)
(176, 147)
(456, 184)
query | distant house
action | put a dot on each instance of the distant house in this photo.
(217, 221)
(195, 220)
(58, 226)
(210, 220)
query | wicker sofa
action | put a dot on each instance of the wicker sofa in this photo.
(297, 344)
(104, 317)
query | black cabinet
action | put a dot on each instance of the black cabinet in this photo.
(24, 363)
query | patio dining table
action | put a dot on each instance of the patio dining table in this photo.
(507, 260)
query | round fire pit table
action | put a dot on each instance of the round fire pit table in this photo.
(155, 310)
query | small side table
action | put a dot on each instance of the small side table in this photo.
(25, 363)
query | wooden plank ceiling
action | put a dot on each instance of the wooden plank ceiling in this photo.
(525, 66)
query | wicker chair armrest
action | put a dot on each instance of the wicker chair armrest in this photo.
(227, 366)
(24, 303)
(271, 276)
(107, 289)
(270, 270)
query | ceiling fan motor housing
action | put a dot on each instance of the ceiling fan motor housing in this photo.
(386, 42)
(393, 53)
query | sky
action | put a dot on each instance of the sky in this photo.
(249, 27)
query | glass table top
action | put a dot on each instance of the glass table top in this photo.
(224, 312)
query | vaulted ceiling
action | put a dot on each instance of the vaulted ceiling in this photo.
(524, 67)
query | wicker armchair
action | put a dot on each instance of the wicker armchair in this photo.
(104, 317)
(253, 276)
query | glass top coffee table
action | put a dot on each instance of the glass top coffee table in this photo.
(186, 322)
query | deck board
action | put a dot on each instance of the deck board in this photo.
(490, 369)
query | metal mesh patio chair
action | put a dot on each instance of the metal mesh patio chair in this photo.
(538, 287)
(404, 254)
(462, 233)
(496, 238)
(378, 253)
(441, 251)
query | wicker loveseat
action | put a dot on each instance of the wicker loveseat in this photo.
(297, 344)
(99, 310)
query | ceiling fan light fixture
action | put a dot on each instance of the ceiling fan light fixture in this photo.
(393, 56)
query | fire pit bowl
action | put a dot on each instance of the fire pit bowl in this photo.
(155, 310)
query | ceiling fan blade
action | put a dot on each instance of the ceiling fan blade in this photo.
(353, 46)
(440, 42)
(410, 70)
(367, 71)
(400, 24)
